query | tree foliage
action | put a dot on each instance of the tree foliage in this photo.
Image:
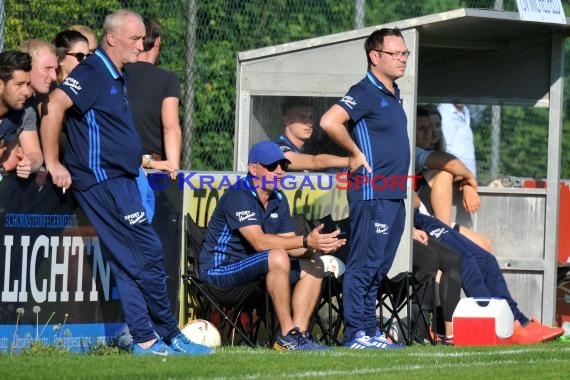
(225, 27)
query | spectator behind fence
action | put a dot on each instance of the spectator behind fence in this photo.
(15, 70)
(88, 33)
(379, 148)
(44, 64)
(154, 94)
(72, 48)
(103, 157)
(298, 127)
(456, 126)
(42, 76)
(250, 235)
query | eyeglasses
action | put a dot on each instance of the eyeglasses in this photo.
(395, 54)
(79, 56)
(271, 167)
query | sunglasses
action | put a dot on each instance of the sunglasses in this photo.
(271, 167)
(79, 56)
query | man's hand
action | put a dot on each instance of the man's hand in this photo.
(24, 165)
(420, 235)
(358, 161)
(471, 181)
(59, 175)
(325, 243)
(10, 156)
(166, 166)
(471, 200)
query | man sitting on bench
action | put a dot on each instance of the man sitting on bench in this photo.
(251, 235)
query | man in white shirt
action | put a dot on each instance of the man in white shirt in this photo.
(456, 125)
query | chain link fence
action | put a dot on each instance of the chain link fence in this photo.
(202, 37)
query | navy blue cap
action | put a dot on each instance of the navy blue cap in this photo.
(266, 153)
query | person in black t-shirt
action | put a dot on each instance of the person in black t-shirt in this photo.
(154, 94)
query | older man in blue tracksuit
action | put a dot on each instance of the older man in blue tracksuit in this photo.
(102, 163)
(250, 235)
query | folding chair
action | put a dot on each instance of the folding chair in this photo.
(328, 315)
(241, 309)
(403, 292)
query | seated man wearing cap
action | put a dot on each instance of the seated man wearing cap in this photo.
(251, 235)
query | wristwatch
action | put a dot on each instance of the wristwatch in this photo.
(148, 160)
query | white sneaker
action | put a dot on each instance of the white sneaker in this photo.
(360, 341)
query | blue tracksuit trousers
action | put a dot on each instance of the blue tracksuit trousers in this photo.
(376, 229)
(481, 275)
(134, 253)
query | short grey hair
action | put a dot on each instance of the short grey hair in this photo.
(114, 20)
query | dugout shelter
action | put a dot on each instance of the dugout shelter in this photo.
(478, 56)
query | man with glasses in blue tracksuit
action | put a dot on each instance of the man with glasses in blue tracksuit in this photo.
(377, 143)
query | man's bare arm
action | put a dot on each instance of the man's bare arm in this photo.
(451, 164)
(58, 102)
(333, 123)
(30, 143)
(172, 130)
(301, 161)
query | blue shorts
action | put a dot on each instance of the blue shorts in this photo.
(245, 271)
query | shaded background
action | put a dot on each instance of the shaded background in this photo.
(202, 37)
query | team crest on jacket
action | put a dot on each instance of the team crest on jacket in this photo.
(349, 101)
(73, 84)
(136, 217)
(245, 215)
(436, 233)
(381, 228)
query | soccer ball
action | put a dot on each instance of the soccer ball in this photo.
(202, 332)
(333, 264)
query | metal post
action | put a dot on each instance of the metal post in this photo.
(359, 14)
(495, 140)
(556, 109)
(2, 23)
(496, 124)
(188, 125)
